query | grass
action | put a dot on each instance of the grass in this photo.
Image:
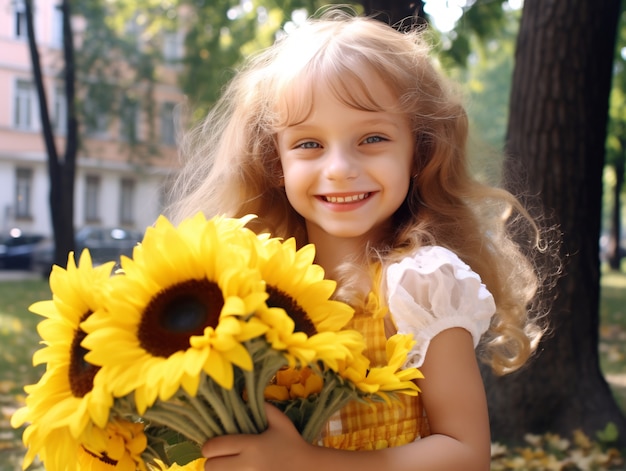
(19, 339)
(613, 333)
(18, 342)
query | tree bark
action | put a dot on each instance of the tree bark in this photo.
(396, 12)
(64, 191)
(61, 173)
(556, 134)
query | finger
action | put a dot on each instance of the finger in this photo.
(276, 418)
(272, 412)
(221, 446)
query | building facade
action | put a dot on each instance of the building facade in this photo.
(111, 188)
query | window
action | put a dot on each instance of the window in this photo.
(24, 106)
(23, 193)
(172, 46)
(19, 19)
(96, 118)
(60, 110)
(57, 27)
(168, 128)
(127, 201)
(92, 198)
(129, 130)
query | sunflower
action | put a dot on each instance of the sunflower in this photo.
(309, 396)
(303, 320)
(195, 465)
(118, 446)
(182, 305)
(58, 450)
(388, 378)
(67, 395)
(293, 383)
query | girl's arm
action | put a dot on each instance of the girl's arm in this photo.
(454, 399)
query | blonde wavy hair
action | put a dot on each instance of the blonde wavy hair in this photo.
(233, 165)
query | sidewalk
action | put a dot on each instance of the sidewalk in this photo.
(17, 275)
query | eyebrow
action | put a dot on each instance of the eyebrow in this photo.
(367, 122)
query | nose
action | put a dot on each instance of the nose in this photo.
(340, 164)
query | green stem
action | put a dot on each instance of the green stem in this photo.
(255, 404)
(240, 411)
(150, 454)
(174, 422)
(191, 416)
(334, 395)
(200, 407)
(267, 362)
(324, 411)
(124, 407)
(211, 394)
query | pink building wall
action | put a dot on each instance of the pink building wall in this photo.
(23, 158)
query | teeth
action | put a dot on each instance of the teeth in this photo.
(346, 199)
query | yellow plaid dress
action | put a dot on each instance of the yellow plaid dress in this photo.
(360, 426)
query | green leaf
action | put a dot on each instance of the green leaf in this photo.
(184, 452)
(609, 434)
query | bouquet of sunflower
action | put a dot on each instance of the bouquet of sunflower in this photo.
(187, 341)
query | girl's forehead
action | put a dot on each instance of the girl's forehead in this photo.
(361, 89)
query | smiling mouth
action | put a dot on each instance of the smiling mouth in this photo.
(346, 199)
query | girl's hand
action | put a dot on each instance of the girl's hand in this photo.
(279, 446)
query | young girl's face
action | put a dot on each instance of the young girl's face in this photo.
(347, 170)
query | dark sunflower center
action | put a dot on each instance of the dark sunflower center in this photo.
(303, 323)
(81, 373)
(177, 313)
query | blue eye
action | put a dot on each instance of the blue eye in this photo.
(373, 139)
(308, 145)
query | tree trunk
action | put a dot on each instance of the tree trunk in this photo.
(61, 173)
(556, 133)
(62, 198)
(396, 11)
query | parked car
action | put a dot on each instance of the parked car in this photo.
(16, 249)
(105, 244)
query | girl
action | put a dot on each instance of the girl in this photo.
(345, 135)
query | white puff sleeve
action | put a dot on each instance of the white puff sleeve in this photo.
(433, 291)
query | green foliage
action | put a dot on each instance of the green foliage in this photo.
(493, 68)
(220, 33)
(486, 81)
(118, 51)
(609, 435)
(616, 136)
(482, 20)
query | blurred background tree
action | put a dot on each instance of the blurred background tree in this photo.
(613, 238)
(555, 145)
(61, 162)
